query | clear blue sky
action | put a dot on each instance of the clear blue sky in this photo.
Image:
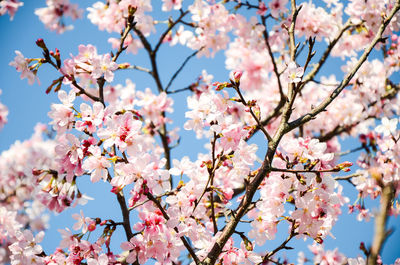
(29, 105)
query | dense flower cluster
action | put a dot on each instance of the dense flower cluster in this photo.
(117, 133)
(20, 207)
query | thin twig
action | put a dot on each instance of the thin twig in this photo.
(304, 170)
(181, 68)
(180, 90)
(271, 55)
(212, 173)
(255, 117)
(283, 245)
(83, 91)
(124, 35)
(136, 67)
(310, 76)
(170, 27)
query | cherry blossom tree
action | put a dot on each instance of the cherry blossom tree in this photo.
(185, 211)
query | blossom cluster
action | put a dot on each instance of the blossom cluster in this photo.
(20, 206)
(316, 197)
(118, 134)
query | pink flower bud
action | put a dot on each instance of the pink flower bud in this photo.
(92, 226)
(40, 43)
(192, 198)
(236, 75)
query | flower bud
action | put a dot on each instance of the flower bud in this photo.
(92, 226)
(235, 76)
(319, 240)
(40, 43)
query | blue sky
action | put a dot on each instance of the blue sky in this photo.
(29, 105)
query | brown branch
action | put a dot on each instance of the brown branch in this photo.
(100, 82)
(181, 90)
(83, 91)
(349, 177)
(136, 67)
(125, 215)
(381, 233)
(124, 35)
(335, 169)
(170, 27)
(271, 55)
(163, 132)
(212, 174)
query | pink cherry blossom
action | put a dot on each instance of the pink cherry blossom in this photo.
(293, 74)
(82, 222)
(91, 118)
(96, 164)
(10, 7)
(387, 127)
(62, 114)
(171, 4)
(277, 6)
(22, 65)
(277, 140)
(104, 66)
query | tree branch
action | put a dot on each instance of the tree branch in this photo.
(181, 68)
(170, 26)
(381, 233)
(259, 177)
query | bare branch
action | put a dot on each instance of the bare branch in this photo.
(170, 26)
(139, 68)
(181, 68)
